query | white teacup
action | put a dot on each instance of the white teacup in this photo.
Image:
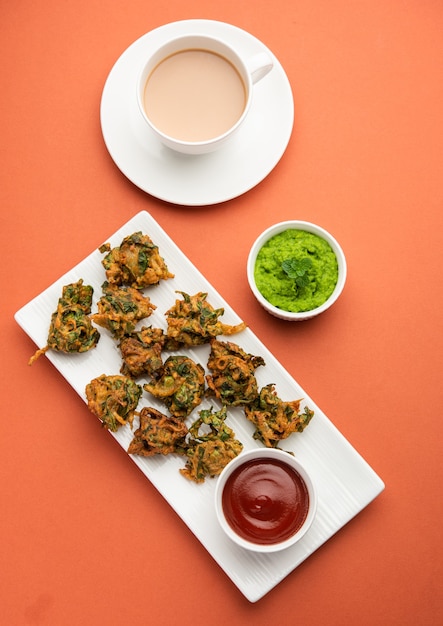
(195, 92)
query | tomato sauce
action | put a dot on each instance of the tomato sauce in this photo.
(265, 501)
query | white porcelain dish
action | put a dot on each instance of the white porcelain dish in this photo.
(204, 179)
(310, 228)
(345, 483)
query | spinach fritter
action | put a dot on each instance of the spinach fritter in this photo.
(141, 352)
(275, 419)
(120, 308)
(193, 321)
(113, 399)
(180, 385)
(232, 379)
(211, 446)
(70, 329)
(136, 262)
(158, 434)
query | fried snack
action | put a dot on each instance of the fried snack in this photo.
(158, 434)
(120, 308)
(193, 321)
(70, 329)
(275, 419)
(207, 454)
(181, 385)
(232, 378)
(136, 262)
(113, 399)
(141, 352)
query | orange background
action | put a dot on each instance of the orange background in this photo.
(84, 537)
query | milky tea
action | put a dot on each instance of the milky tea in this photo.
(194, 95)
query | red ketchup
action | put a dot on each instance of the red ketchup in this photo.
(265, 501)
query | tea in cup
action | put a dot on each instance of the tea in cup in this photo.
(195, 92)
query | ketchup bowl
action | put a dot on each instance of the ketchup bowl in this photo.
(265, 500)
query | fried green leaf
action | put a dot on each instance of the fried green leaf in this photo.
(232, 379)
(70, 328)
(275, 419)
(136, 262)
(212, 444)
(158, 434)
(141, 352)
(113, 399)
(121, 308)
(180, 385)
(194, 321)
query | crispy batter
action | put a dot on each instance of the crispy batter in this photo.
(120, 308)
(209, 452)
(275, 419)
(158, 434)
(136, 262)
(113, 399)
(181, 385)
(70, 329)
(193, 321)
(232, 378)
(141, 352)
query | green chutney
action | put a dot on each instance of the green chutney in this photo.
(315, 270)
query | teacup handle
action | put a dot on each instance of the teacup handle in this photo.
(259, 65)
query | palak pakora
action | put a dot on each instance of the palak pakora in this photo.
(136, 262)
(121, 308)
(232, 379)
(113, 399)
(70, 328)
(180, 385)
(158, 434)
(141, 352)
(275, 419)
(193, 321)
(208, 452)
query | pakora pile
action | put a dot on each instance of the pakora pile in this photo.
(158, 434)
(121, 308)
(178, 382)
(181, 385)
(113, 399)
(232, 379)
(274, 419)
(192, 321)
(70, 328)
(210, 449)
(135, 262)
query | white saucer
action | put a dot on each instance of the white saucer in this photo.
(196, 180)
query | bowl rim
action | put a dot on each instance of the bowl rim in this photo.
(294, 463)
(276, 229)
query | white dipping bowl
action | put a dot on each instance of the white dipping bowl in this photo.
(292, 464)
(311, 228)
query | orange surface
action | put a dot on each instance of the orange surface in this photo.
(84, 537)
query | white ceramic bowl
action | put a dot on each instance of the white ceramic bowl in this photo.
(311, 228)
(293, 464)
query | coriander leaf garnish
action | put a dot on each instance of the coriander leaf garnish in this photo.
(298, 270)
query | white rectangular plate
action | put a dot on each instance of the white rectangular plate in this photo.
(345, 482)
